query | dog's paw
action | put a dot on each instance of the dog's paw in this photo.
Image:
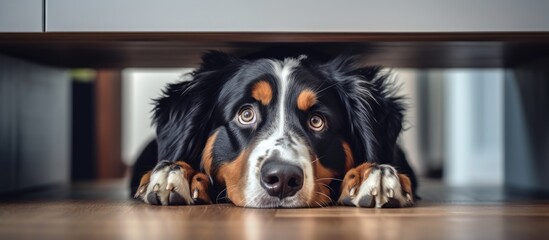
(370, 185)
(174, 183)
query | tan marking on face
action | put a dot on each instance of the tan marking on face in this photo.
(306, 99)
(207, 154)
(232, 174)
(353, 178)
(323, 176)
(262, 92)
(349, 160)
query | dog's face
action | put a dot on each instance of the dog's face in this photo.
(273, 132)
(280, 139)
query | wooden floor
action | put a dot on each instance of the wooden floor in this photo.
(103, 211)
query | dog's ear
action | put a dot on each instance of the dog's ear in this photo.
(215, 60)
(183, 115)
(374, 112)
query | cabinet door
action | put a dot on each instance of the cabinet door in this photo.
(300, 16)
(21, 16)
(34, 125)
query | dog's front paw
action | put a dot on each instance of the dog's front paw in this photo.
(370, 185)
(174, 183)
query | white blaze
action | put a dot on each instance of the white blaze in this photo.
(282, 70)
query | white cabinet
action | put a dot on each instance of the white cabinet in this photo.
(21, 16)
(297, 16)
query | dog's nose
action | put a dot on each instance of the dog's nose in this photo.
(281, 179)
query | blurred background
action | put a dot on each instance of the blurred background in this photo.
(454, 125)
(77, 79)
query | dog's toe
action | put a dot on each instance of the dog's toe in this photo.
(153, 199)
(175, 199)
(367, 201)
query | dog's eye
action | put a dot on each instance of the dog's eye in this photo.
(317, 122)
(246, 115)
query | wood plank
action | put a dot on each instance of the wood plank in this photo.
(103, 219)
(102, 210)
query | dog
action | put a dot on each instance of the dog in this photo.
(277, 132)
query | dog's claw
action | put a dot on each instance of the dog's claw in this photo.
(140, 191)
(409, 197)
(352, 191)
(391, 193)
(195, 193)
(156, 187)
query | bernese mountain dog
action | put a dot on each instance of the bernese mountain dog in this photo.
(277, 132)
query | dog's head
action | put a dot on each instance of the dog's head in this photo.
(278, 132)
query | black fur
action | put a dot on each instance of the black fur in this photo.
(184, 115)
(375, 118)
(359, 101)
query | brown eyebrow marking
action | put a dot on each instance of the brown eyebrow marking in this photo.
(262, 92)
(306, 99)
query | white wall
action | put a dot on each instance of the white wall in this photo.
(407, 79)
(474, 127)
(139, 87)
(454, 120)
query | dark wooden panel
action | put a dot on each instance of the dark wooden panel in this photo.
(108, 88)
(163, 49)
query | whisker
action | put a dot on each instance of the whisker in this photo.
(325, 185)
(324, 195)
(251, 200)
(328, 202)
(224, 190)
(318, 159)
(245, 204)
(316, 89)
(328, 87)
(217, 197)
(302, 199)
(336, 179)
(320, 204)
